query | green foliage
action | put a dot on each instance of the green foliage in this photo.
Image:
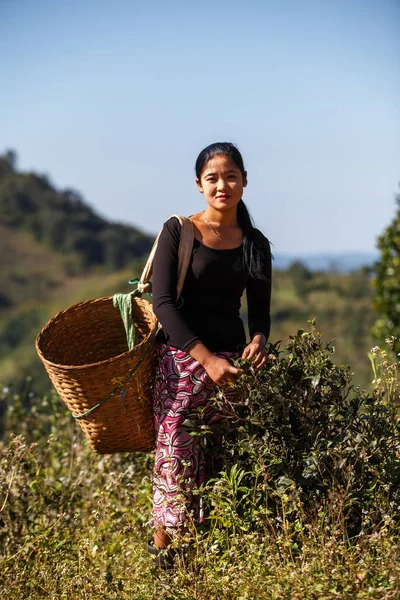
(386, 282)
(305, 435)
(69, 520)
(301, 277)
(15, 329)
(64, 222)
(305, 504)
(7, 163)
(360, 284)
(341, 305)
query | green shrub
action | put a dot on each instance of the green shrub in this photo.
(303, 437)
(305, 504)
(386, 281)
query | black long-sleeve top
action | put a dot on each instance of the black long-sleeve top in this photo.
(211, 295)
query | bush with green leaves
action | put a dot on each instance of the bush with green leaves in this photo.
(305, 504)
(303, 437)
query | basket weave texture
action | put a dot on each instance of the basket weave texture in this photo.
(85, 353)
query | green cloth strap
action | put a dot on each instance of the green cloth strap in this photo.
(124, 303)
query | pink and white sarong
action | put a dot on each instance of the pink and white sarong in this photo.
(181, 396)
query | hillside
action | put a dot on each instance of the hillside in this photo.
(28, 269)
(340, 303)
(55, 251)
(62, 222)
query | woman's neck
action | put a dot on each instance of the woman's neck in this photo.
(226, 218)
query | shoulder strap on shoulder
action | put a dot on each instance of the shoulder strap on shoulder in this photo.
(184, 254)
(184, 250)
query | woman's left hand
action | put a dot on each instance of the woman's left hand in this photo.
(255, 351)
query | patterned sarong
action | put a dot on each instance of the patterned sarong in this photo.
(181, 404)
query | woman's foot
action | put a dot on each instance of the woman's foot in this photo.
(163, 557)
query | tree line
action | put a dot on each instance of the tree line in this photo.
(63, 221)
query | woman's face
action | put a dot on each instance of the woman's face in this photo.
(222, 183)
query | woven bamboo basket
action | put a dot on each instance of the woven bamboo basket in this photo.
(85, 353)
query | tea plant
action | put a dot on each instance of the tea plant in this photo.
(303, 435)
(304, 502)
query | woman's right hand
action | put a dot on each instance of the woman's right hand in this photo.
(218, 369)
(221, 371)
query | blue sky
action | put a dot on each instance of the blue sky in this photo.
(116, 99)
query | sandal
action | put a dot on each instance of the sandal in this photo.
(163, 557)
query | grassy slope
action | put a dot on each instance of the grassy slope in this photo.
(34, 281)
(29, 271)
(75, 525)
(342, 307)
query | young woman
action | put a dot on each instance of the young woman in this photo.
(203, 332)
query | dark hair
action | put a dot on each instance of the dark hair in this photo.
(255, 245)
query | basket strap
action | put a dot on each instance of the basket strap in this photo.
(184, 254)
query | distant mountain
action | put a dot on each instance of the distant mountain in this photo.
(61, 221)
(343, 262)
